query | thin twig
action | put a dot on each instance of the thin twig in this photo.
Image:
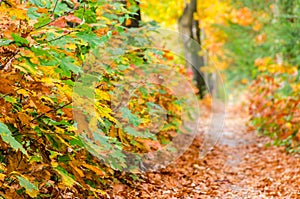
(55, 39)
(60, 37)
(65, 14)
(19, 161)
(54, 7)
(58, 108)
(6, 2)
(2, 97)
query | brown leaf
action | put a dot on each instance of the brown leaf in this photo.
(24, 118)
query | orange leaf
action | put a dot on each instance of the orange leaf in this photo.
(24, 118)
(60, 22)
(73, 19)
(42, 10)
(94, 168)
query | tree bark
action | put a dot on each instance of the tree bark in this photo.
(191, 38)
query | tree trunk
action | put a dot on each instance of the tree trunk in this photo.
(191, 37)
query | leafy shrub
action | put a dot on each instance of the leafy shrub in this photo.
(46, 49)
(262, 43)
(275, 103)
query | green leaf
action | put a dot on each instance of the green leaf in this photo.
(89, 14)
(32, 13)
(38, 3)
(117, 160)
(48, 62)
(9, 139)
(5, 42)
(53, 141)
(109, 150)
(132, 119)
(94, 149)
(67, 65)
(62, 8)
(42, 21)
(91, 38)
(19, 39)
(66, 177)
(10, 99)
(103, 140)
(135, 133)
(84, 91)
(65, 159)
(31, 189)
(76, 141)
(39, 51)
(152, 105)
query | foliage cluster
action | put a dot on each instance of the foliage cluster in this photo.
(264, 45)
(49, 146)
(259, 41)
(255, 41)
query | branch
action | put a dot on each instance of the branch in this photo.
(57, 38)
(58, 108)
(6, 2)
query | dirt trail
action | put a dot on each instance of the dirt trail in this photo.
(239, 166)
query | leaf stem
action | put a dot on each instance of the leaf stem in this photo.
(58, 108)
(54, 7)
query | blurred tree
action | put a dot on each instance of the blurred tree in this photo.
(189, 27)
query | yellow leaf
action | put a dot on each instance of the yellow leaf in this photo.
(23, 92)
(61, 130)
(288, 125)
(72, 128)
(2, 167)
(66, 179)
(2, 177)
(34, 60)
(128, 22)
(101, 95)
(71, 46)
(74, 165)
(42, 10)
(26, 68)
(47, 99)
(94, 168)
(196, 17)
(48, 81)
(54, 164)
(103, 111)
(18, 13)
(97, 190)
(93, 124)
(67, 90)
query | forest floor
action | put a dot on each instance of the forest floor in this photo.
(239, 166)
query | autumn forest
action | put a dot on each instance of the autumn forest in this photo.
(149, 99)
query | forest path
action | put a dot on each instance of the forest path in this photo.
(239, 166)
